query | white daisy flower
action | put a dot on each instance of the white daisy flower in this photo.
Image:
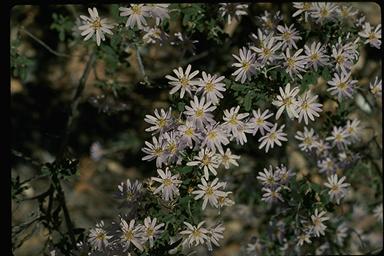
(294, 64)
(339, 137)
(273, 137)
(150, 230)
(211, 86)
(259, 121)
(197, 235)
(183, 81)
(130, 234)
(268, 177)
(136, 15)
(209, 192)
(215, 137)
(315, 55)
(267, 49)
(98, 237)
(288, 36)
(303, 7)
(245, 65)
(158, 11)
(346, 11)
(327, 165)
(228, 158)
(153, 35)
(375, 87)
(172, 146)
(303, 237)
(353, 129)
(206, 160)
(287, 101)
(323, 11)
(233, 121)
(160, 121)
(373, 37)
(189, 133)
(307, 107)
(317, 222)
(232, 10)
(214, 234)
(343, 58)
(199, 112)
(271, 195)
(321, 147)
(95, 25)
(308, 139)
(342, 85)
(169, 187)
(155, 151)
(338, 189)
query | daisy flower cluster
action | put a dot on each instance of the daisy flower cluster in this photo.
(195, 142)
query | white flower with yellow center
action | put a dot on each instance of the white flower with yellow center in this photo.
(206, 160)
(307, 107)
(294, 64)
(210, 192)
(197, 235)
(245, 65)
(160, 121)
(215, 137)
(150, 230)
(272, 195)
(303, 237)
(155, 150)
(303, 7)
(136, 15)
(199, 112)
(169, 187)
(317, 222)
(259, 121)
(287, 101)
(322, 11)
(233, 121)
(183, 81)
(288, 36)
(95, 25)
(228, 158)
(315, 55)
(130, 234)
(214, 234)
(211, 86)
(273, 137)
(342, 85)
(189, 133)
(353, 129)
(375, 87)
(337, 189)
(268, 47)
(308, 139)
(373, 37)
(339, 137)
(98, 237)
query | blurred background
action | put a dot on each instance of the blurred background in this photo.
(108, 132)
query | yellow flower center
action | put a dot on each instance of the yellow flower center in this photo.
(372, 36)
(259, 121)
(314, 57)
(209, 87)
(212, 135)
(307, 141)
(267, 52)
(128, 235)
(189, 132)
(199, 112)
(167, 182)
(162, 122)
(246, 65)
(342, 86)
(96, 25)
(287, 35)
(184, 82)
(233, 120)
(206, 160)
(150, 231)
(324, 12)
(209, 191)
(136, 9)
(340, 59)
(158, 151)
(273, 136)
(100, 236)
(290, 63)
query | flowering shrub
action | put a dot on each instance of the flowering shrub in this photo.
(225, 137)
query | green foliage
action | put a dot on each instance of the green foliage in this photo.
(63, 25)
(20, 64)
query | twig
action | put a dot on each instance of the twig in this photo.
(60, 154)
(44, 44)
(141, 66)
